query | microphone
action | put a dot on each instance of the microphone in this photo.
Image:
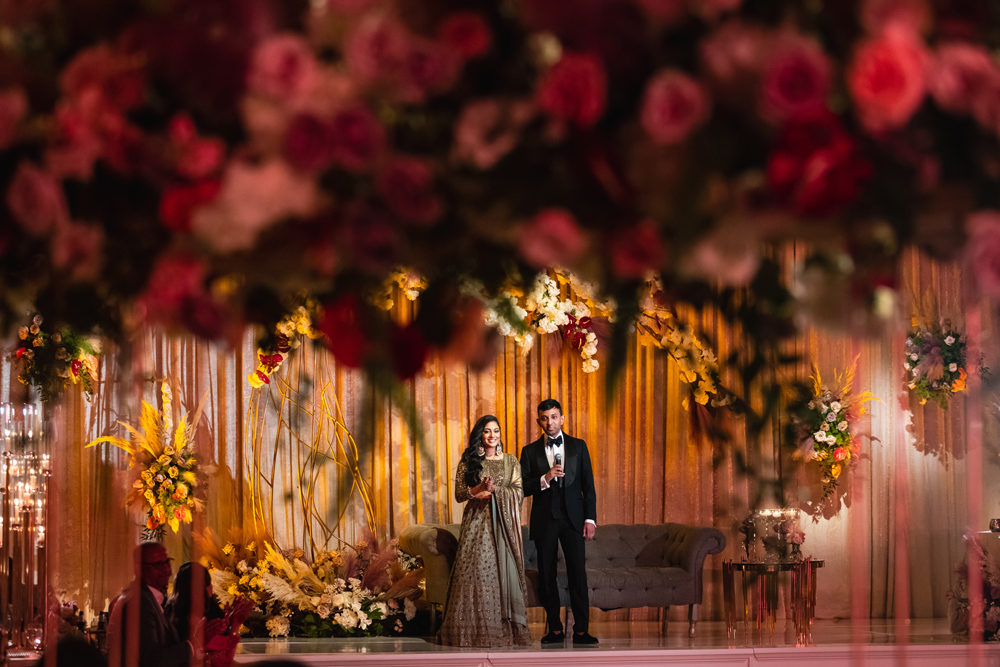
(558, 462)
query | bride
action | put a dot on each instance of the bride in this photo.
(486, 595)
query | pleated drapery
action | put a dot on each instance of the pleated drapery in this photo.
(319, 439)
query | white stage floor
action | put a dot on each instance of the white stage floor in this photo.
(924, 643)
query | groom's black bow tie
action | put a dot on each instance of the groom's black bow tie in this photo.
(554, 442)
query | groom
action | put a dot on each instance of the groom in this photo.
(556, 470)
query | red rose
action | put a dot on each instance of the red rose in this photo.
(406, 184)
(673, 105)
(179, 202)
(427, 68)
(358, 138)
(795, 79)
(817, 168)
(466, 33)
(887, 79)
(117, 77)
(344, 334)
(636, 251)
(408, 350)
(309, 143)
(575, 89)
(551, 239)
(175, 278)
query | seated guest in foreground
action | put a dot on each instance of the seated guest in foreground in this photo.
(220, 627)
(138, 633)
(486, 596)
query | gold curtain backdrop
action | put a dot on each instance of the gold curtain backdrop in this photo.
(318, 442)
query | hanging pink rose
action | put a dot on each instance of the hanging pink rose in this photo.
(372, 243)
(375, 48)
(795, 78)
(730, 254)
(252, 198)
(36, 200)
(197, 157)
(407, 186)
(664, 12)
(283, 67)
(116, 76)
(76, 249)
(961, 76)
(983, 250)
(309, 143)
(574, 89)
(713, 9)
(734, 53)
(673, 105)
(887, 79)
(427, 68)
(358, 138)
(466, 33)
(912, 15)
(486, 130)
(636, 251)
(13, 107)
(552, 238)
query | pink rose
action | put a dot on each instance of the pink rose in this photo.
(574, 89)
(730, 254)
(372, 243)
(664, 12)
(466, 33)
(552, 238)
(358, 138)
(795, 78)
(253, 197)
(36, 200)
(76, 248)
(961, 77)
(427, 68)
(887, 79)
(77, 146)
(487, 130)
(734, 53)
(636, 251)
(407, 186)
(672, 106)
(175, 278)
(116, 76)
(179, 203)
(912, 15)
(309, 143)
(283, 67)
(13, 107)
(982, 250)
(712, 9)
(375, 48)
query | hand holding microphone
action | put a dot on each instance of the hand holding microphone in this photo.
(557, 470)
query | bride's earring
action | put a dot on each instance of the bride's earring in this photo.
(500, 448)
(481, 451)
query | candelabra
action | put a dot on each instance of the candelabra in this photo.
(23, 522)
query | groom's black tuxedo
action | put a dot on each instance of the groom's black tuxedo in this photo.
(558, 514)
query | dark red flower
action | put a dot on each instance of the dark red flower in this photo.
(636, 251)
(408, 349)
(179, 202)
(817, 168)
(466, 33)
(75, 366)
(575, 89)
(309, 143)
(358, 138)
(406, 184)
(20, 352)
(345, 336)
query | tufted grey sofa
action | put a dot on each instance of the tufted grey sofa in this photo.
(640, 565)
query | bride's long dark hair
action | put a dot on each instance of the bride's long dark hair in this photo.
(473, 459)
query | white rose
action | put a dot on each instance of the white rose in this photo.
(906, 366)
(831, 417)
(819, 436)
(410, 609)
(835, 406)
(842, 426)
(953, 367)
(914, 357)
(949, 340)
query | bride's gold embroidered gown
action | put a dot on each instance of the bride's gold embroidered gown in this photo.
(486, 596)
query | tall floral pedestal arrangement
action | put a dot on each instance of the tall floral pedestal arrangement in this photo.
(23, 522)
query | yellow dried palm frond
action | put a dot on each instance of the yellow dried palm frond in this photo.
(120, 443)
(180, 435)
(195, 419)
(817, 380)
(168, 419)
(863, 398)
(151, 423)
(847, 379)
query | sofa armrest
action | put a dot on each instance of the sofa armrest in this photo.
(436, 545)
(687, 547)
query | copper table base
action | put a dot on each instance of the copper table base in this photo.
(759, 582)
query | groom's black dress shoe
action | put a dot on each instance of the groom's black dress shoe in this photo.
(554, 638)
(584, 639)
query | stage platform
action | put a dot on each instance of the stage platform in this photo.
(924, 643)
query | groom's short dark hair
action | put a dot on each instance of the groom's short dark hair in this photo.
(548, 404)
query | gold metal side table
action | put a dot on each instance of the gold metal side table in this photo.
(759, 582)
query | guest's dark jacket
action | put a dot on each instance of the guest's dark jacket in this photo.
(159, 645)
(581, 498)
